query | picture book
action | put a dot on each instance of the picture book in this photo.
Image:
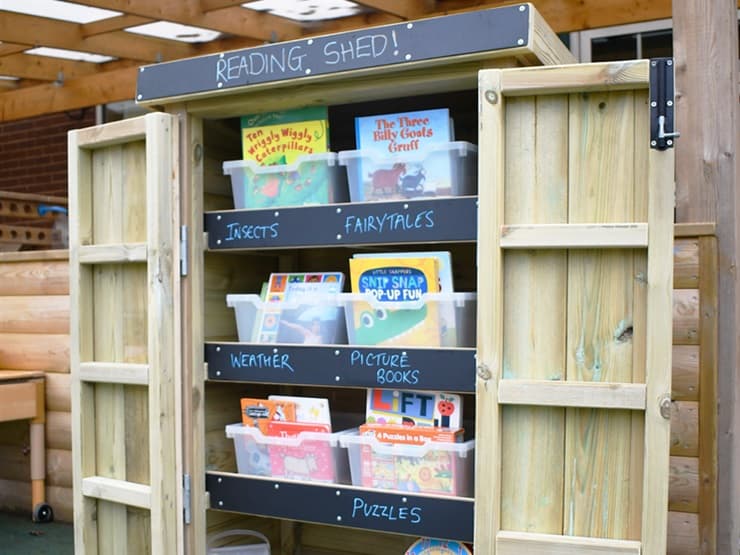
(411, 435)
(435, 472)
(310, 410)
(447, 328)
(278, 428)
(403, 155)
(259, 412)
(413, 408)
(278, 138)
(299, 314)
(306, 453)
(393, 282)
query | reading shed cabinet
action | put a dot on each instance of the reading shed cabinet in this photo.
(567, 244)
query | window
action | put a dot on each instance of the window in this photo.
(651, 39)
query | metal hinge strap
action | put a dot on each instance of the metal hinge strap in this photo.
(183, 250)
(186, 497)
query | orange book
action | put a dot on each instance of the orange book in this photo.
(411, 435)
(260, 412)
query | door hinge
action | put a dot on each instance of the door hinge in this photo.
(186, 498)
(662, 109)
(183, 250)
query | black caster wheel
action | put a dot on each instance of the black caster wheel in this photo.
(43, 513)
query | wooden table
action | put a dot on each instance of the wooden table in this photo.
(21, 398)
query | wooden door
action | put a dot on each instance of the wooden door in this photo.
(574, 322)
(125, 354)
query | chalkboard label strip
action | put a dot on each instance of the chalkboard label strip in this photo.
(452, 219)
(343, 366)
(448, 518)
(413, 41)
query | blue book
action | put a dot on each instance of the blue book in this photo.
(402, 155)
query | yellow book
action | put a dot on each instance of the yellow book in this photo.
(284, 143)
(395, 282)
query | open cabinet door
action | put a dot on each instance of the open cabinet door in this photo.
(574, 310)
(125, 354)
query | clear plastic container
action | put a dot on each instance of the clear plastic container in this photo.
(447, 169)
(308, 456)
(435, 320)
(312, 179)
(317, 320)
(438, 468)
(261, 548)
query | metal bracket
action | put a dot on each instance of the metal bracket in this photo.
(183, 250)
(186, 498)
(662, 103)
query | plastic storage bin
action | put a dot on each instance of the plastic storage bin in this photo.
(312, 179)
(435, 320)
(314, 320)
(448, 169)
(309, 456)
(262, 548)
(438, 468)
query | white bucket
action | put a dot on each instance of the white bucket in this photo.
(251, 549)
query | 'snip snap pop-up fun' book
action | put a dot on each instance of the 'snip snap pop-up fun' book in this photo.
(389, 284)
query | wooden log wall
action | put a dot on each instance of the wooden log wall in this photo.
(34, 335)
(692, 496)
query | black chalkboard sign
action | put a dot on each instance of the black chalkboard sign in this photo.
(452, 219)
(345, 366)
(404, 513)
(407, 42)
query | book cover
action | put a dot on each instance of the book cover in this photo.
(257, 413)
(411, 435)
(278, 138)
(294, 311)
(313, 410)
(394, 281)
(413, 407)
(400, 155)
(447, 328)
(435, 472)
(310, 458)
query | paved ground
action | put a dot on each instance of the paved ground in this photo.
(19, 535)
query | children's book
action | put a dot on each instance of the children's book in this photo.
(308, 410)
(448, 337)
(390, 282)
(403, 155)
(306, 454)
(411, 435)
(294, 311)
(278, 138)
(278, 428)
(258, 413)
(413, 408)
(436, 471)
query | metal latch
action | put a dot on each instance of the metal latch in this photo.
(186, 498)
(183, 250)
(662, 105)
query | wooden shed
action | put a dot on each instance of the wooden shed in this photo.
(150, 331)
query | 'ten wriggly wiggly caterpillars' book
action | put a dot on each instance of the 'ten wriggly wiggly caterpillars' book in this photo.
(395, 312)
(276, 138)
